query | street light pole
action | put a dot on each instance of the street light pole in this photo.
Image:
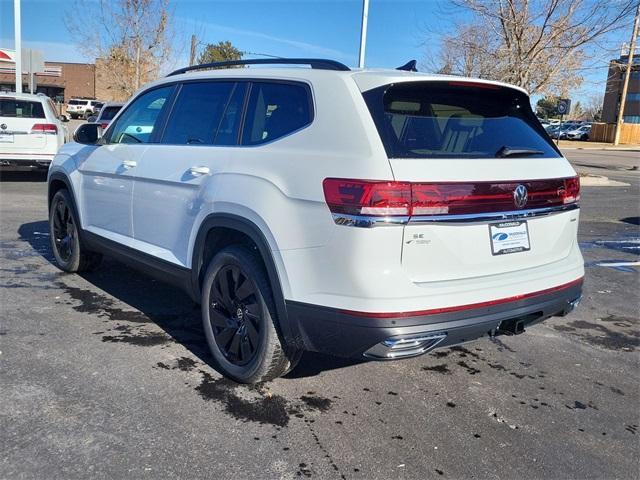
(363, 32)
(627, 76)
(18, 44)
(192, 53)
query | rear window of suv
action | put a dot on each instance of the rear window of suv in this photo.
(108, 113)
(77, 102)
(456, 120)
(20, 108)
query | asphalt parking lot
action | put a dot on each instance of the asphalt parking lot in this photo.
(107, 375)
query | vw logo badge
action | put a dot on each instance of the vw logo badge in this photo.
(3, 126)
(520, 196)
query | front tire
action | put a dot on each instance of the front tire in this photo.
(238, 316)
(71, 256)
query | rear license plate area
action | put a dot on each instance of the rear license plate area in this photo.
(509, 237)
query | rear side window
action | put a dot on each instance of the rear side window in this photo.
(275, 110)
(205, 113)
(20, 108)
(451, 119)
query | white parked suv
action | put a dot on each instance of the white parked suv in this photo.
(368, 213)
(83, 108)
(31, 132)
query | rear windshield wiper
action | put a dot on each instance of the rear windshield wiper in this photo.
(505, 151)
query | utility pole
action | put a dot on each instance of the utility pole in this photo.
(18, 44)
(627, 76)
(363, 32)
(192, 54)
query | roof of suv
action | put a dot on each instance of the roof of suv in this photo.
(35, 97)
(366, 79)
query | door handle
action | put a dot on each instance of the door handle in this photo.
(197, 171)
(129, 163)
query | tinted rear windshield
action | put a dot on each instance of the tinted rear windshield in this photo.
(454, 119)
(20, 108)
(109, 112)
(77, 102)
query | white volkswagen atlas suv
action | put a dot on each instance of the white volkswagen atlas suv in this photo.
(366, 213)
(31, 132)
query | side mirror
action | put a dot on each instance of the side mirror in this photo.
(63, 118)
(92, 119)
(88, 133)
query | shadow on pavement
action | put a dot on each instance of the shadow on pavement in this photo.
(152, 302)
(25, 176)
(631, 220)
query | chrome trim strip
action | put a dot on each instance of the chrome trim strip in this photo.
(493, 216)
(364, 221)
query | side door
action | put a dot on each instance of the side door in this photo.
(178, 175)
(108, 171)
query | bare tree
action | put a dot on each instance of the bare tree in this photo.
(130, 40)
(593, 108)
(540, 45)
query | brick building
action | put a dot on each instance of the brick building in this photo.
(60, 80)
(613, 93)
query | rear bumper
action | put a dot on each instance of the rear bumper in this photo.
(26, 161)
(355, 334)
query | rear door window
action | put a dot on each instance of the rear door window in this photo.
(205, 113)
(453, 119)
(276, 110)
(10, 107)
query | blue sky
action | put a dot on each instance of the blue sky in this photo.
(396, 33)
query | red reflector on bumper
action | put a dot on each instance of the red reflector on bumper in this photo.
(459, 308)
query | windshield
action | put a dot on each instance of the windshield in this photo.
(456, 119)
(77, 102)
(108, 113)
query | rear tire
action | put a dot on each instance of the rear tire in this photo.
(239, 315)
(70, 254)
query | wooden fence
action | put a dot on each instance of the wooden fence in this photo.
(604, 132)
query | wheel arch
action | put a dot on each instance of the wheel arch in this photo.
(221, 229)
(58, 181)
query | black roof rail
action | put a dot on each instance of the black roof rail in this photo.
(317, 63)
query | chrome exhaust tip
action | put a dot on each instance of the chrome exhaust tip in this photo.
(404, 346)
(574, 303)
(571, 306)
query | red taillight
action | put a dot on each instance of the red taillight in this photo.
(44, 128)
(387, 198)
(104, 126)
(571, 193)
(357, 197)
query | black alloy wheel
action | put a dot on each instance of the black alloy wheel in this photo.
(235, 314)
(64, 230)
